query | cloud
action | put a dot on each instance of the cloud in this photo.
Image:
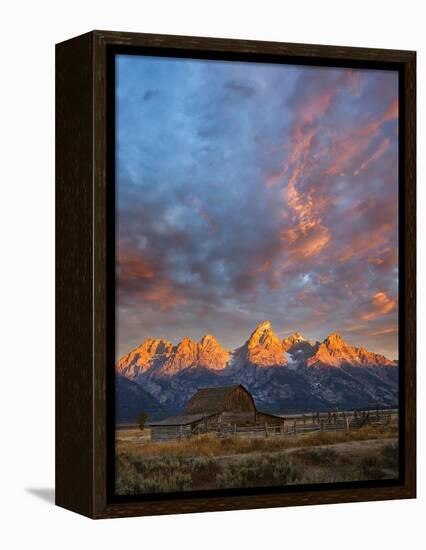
(315, 170)
(237, 200)
(138, 280)
(390, 330)
(312, 167)
(196, 203)
(358, 245)
(240, 88)
(162, 294)
(384, 259)
(375, 156)
(132, 267)
(150, 94)
(359, 142)
(306, 240)
(381, 304)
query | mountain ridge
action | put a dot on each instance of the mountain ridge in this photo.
(280, 373)
(262, 349)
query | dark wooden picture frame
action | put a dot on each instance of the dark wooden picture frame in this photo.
(84, 266)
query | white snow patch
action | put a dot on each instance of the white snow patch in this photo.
(291, 363)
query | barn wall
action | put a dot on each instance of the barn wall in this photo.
(206, 424)
(262, 418)
(239, 418)
(239, 401)
(211, 422)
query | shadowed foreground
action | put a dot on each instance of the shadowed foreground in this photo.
(370, 453)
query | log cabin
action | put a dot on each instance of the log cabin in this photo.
(216, 410)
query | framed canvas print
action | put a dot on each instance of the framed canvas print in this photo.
(235, 230)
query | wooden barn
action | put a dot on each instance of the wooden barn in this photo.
(220, 410)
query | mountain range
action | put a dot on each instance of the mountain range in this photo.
(282, 375)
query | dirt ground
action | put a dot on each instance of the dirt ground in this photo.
(349, 452)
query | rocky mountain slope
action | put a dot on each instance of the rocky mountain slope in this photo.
(131, 399)
(282, 375)
(335, 352)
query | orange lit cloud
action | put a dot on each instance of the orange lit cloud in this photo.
(138, 278)
(384, 259)
(131, 266)
(307, 236)
(307, 194)
(315, 108)
(390, 330)
(382, 304)
(360, 244)
(163, 295)
(308, 239)
(344, 152)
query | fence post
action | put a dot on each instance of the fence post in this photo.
(235, 430)
(180, 431)
(295, 426)
(266, 429)
(322, 425)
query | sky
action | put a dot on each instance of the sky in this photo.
(248, 191)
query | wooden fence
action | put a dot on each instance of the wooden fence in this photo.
(314, 422)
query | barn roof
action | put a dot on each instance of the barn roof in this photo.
(210, 400)
(180, 420)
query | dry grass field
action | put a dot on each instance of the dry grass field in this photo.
(208, 462)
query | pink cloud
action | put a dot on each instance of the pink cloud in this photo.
(389, 330)
(162, 294)
(197, 205)
(381, 304)
(139, 278)
(131, 266)
(375, 156)
(307, 240)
